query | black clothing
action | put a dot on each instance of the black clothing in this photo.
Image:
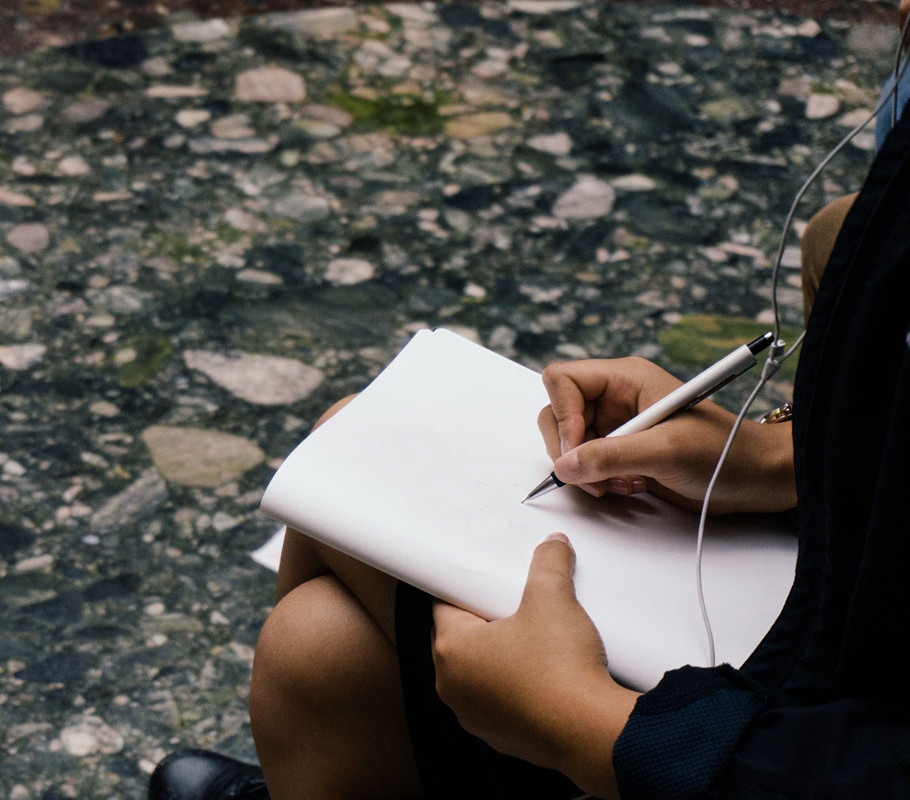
(822, 708)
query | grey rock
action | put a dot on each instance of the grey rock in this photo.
(588, 198)
(30, 237)
(303, 208)
(261, 379)
(141, 497)
(199, 457)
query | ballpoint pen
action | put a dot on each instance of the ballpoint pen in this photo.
(694, 391)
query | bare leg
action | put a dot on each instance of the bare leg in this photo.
(326, 702)
(818, 242)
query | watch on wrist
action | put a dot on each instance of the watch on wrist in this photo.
(782, 413)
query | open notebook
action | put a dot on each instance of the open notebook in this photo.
(423, 475)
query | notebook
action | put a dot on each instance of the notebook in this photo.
(423, 474)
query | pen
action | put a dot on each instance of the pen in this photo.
(686, 396)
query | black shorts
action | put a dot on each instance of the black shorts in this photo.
(451, 762)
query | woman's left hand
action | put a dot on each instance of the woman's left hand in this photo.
(535, 685)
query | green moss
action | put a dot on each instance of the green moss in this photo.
(402, 113)
(152, 354)
(702, 339)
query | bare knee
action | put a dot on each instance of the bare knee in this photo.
(309, 656)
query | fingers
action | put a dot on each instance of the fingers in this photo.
(623, 459)
(549, 429)
(447, 617)
(551, 574)
(593, 397)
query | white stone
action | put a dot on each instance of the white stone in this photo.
(242, 220)
(864, 141)
(317, 22)
(471, 126)
(412, 12)
(21, 356)
(696, 40)
(269, 85)
(303, 207)
(235, 126)
(260, 277)
(257, 378)
(23, 166)
(13, 469)
(30, 237)
(590, 197)
(822, 106)
(490, 68)
(543, 6)
(191, 117)
(222, 521)
(10, 198)
(572, 351)
(348, 271)
(73, 166)
(634, 183)
(377, 56)
(210, 30)
(83, 111)
(25, 124)
(198, 457)
(329, 114)
(10, 287)
(103, 408)
(156, 67)
(809, 29)
(317, 128)
(21, 100)
(557, 144)
(800, 87)
(89, 736)
(248, 146)
(112, 197)
(854, 118)
(171, 91)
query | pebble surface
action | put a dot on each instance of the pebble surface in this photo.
(212, 230)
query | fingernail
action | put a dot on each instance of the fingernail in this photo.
(616, 486)
(639, 485)
(563, 445)
(557, 537)
(568, 466)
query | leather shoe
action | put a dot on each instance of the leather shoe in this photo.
(203, 775)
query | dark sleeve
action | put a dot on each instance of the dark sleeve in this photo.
(710, 733)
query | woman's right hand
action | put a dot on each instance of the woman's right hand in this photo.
(676, 458)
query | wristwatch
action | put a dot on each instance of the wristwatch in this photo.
(783, 413)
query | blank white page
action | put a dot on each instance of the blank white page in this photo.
(423, 475)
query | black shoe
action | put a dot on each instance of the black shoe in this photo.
(203, 775)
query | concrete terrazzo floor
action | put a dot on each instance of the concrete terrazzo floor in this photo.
(212, 229)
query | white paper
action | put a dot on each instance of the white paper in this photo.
(423, 475)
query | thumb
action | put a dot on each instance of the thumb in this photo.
(612, 456)
(550, 576)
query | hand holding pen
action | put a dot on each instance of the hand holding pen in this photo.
(674, 458)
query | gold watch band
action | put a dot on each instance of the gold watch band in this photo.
(783, 413)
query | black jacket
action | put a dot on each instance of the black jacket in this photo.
(822, 708)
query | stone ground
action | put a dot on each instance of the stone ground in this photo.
(212, 229)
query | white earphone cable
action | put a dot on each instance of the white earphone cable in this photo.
(779, 353)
